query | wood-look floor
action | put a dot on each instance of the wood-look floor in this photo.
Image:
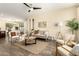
(7, 49)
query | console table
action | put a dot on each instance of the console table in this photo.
(2, 34)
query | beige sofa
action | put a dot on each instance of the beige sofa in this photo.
(68, 51)
(65, 51)
(67, 46)
(43, 35)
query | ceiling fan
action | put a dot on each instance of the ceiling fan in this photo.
(31, 8)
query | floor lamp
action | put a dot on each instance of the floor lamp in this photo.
(59, 25)
(59, 30)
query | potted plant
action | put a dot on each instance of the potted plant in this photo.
(73, 26)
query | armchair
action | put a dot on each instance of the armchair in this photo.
(14, 36)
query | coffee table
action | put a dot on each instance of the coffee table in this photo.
(31, 38)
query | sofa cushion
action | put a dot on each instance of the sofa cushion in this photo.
(60, 41)
(63, 52)
(75, 49)
(42, 32)
(13, 33)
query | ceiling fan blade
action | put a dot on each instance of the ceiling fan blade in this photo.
(26, 5)
(36, 8)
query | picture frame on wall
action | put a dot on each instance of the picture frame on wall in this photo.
(42, 24)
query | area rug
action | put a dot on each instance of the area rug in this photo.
(34, 48)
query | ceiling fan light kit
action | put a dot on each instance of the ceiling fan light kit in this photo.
(31, 8)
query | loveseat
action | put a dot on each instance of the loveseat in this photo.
(43, 35)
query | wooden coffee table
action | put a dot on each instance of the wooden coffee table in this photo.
(30, 39)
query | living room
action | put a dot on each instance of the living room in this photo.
(40, 22)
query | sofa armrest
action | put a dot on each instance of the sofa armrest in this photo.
(60, 41)
(65, 50)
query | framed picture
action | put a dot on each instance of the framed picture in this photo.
(42, 24)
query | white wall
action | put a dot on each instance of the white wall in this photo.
(78, 20)
(2, 25)
(52, 17)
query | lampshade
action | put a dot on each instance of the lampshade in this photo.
(60, 24)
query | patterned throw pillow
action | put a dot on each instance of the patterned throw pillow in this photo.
(13, 33)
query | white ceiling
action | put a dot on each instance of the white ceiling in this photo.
(53, 6)
(19, 10)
